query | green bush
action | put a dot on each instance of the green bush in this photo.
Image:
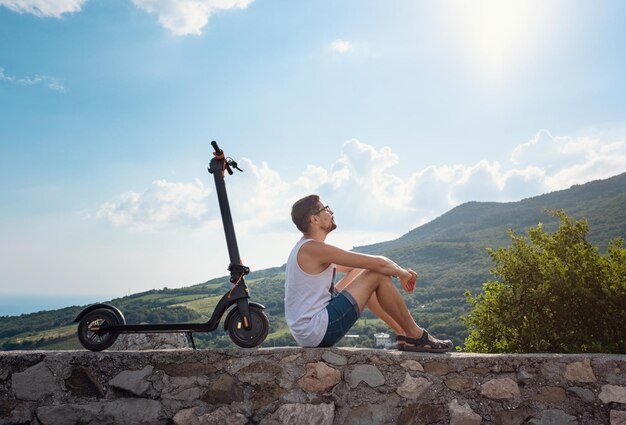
(552, 293)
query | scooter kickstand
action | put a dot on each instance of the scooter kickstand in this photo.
(190, 335)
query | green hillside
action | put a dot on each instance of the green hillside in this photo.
(449, 253)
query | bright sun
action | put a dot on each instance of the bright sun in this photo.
(496, 35)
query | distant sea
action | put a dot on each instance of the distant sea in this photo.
(16, 304)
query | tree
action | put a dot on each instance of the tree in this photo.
(551, 293)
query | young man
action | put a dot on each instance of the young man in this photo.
(318, 312)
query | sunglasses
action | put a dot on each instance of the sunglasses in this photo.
(327, 208)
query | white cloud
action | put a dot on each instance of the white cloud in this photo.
(52, 83)
(187, 16)
(181, 17)
(365, 192)
(552, 152)
(163, 204)
(341, 46)
(43, 8)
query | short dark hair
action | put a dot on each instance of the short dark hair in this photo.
(302, 210)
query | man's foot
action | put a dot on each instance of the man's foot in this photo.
(427, 344)
(400, 342)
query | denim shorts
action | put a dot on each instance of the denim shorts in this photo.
(343, 312)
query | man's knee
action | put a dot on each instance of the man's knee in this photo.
(375, 277)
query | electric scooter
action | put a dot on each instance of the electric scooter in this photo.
(99, 325)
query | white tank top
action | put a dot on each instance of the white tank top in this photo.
(306, 298)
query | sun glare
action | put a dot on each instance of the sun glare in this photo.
(495, 35)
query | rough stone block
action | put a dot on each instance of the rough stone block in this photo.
(366, 373)
(35, 383)
(498, 389)
(412, 365)
(584, 394)
(319, 378)
(221, 416)
(460, 384)
(151, 341)
(613, 393)
(550, 395)
(334, 358)
(224, 390)
(462, 414)
(419, 414)
(83, 383)
(513, 417)
(133, 381)
(302, 414)
(580, 372)
(617, 417)
(412, 387)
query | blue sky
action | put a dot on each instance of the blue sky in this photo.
(394, 112)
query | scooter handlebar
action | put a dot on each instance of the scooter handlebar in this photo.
(218, 151)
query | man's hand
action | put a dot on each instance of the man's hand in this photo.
(409, 280)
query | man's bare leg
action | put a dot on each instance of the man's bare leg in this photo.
(367, 283)
(372, 304)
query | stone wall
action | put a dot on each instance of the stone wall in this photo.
(309, 386)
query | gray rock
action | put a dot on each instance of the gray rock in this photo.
(513, 417)
(133, 411)
(419, 414)
(83, 383)
(151, 341)
(259, 372)
(365, 373)
(618, 417)
(224, 390)
(319, 378)
(125, 411)
(584, 394)
(16, 412)
(35, 383)
(460, 384)
(366, 414)
(72, 414)
(333, 358)
(186, 369)
(580, 372)
(185, 389)
(613, 393)
(438, 368)
(221, 416)
(412, 365)
(302, 414)
(500, 389)
(133, 381)
(524, 376)
(555, 417)
(462, 414)
(551, 395)
(412, 387)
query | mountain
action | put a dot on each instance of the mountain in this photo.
(450, 254)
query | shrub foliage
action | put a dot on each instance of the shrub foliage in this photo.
(551, 293)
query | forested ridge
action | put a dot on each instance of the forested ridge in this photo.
(450, 254)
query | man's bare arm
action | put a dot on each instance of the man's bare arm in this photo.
(316, 256)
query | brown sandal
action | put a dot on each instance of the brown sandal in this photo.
(400, 342)
(425, 345)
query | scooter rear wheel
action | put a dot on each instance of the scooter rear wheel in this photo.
(257, 333)
(95, 340)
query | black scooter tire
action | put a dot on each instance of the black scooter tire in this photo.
(96, 341)
(257, 333)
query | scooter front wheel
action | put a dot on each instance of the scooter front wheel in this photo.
(89, 334)
(259, 328)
